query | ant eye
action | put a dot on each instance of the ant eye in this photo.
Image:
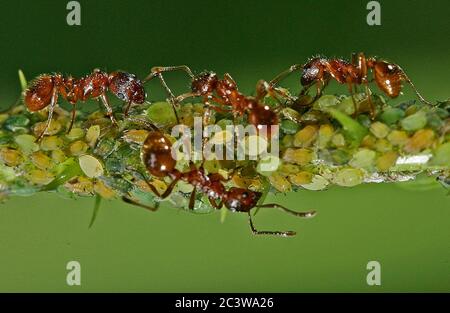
(245, 194)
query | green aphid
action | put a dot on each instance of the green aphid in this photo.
(392, 115)
(106, 146)
(16, 123)
(117, 183)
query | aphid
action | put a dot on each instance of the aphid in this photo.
(221, 95)
(45, 89)
(156, 157)
(319, 71)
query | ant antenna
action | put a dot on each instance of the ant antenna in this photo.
(284, 74)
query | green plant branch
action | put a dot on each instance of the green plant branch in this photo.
(328, 143)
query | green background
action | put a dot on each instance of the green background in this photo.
(130, 249)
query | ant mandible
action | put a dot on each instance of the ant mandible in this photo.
(44, 91)
(320, 70)
(218, 94)
(157, 157)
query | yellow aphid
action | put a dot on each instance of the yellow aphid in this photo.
(41, 160)
(383, 145)
(104, 191)
(53, 128)
(92, 135)
(298, 156)
(39, 177)
(75, 133)
(379, 130)
(301, 178)
(325, 134)
(78, 148)
(51, 143)
(58, 156)
(306, 136)
(10, 157)
(137, 136)
(338, 140)
(159, 185)
(421, 139)
(386, 161)
(398, 137)
(280, 182)
(80, 185)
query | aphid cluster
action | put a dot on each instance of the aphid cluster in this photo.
(220, 95)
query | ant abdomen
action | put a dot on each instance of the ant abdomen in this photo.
(388, 78)
(127, 87)
(39, 93)
(156, 154)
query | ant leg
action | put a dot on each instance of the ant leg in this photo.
(306, 214)
(219, 109)
(73, 118)
(51, 108)
(320, 85)
(167, 192)
(275, 92)
(270, 87)
(133, 202)
(157, 72)
(304, 90)
(169, 188)
(171, 96)
(369, 98)
(127, 109)
(214, 204)
(192, 200)
(288, 233)
(350, 89)
(109, 110)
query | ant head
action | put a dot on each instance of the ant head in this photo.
(312, 70)
(204, 83)
(127, 87)
(241, 200)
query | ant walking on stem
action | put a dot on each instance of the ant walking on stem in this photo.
(320, 70)
(221, 95)
(157, 157)
(44, 91)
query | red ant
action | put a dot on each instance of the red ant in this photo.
(157, 158)
(44, 91)
(320, 70)
(219, 91)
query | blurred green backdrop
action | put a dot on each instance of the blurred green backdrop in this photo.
(129, 249)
